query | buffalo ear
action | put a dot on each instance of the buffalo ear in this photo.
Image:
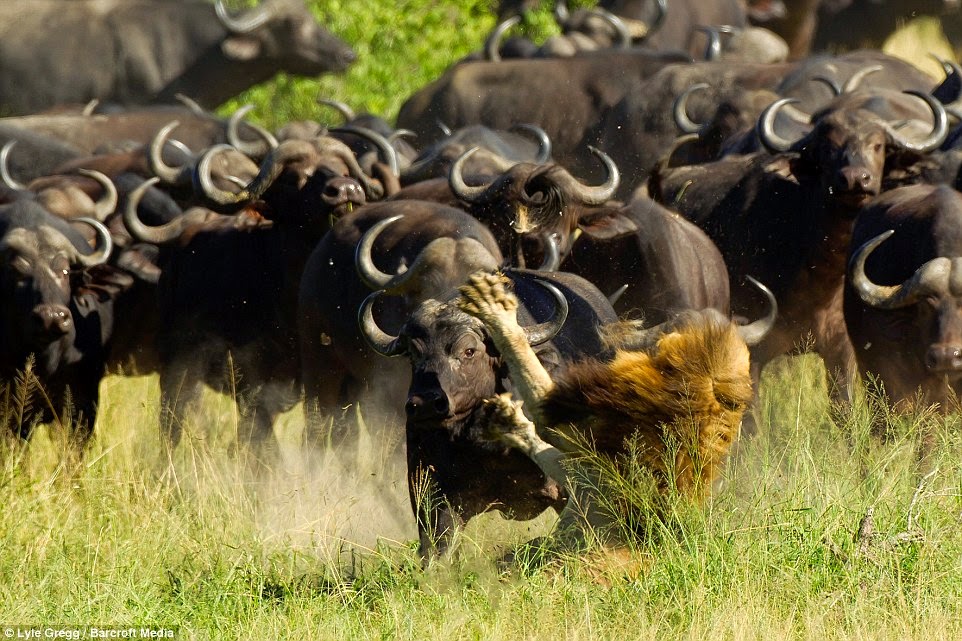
(607, 225)
(787, 167)
(241, 47)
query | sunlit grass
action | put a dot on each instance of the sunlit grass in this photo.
(325, 548)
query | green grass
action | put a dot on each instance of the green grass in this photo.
(401, 46)
(326, 550)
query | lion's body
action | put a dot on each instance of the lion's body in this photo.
(689, 393)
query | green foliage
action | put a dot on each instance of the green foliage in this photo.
(401, 47)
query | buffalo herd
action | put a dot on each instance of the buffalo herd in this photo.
(556, 248)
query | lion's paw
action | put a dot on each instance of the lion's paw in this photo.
(486, 297)
(505, 422)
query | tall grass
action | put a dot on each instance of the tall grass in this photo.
(324, 548)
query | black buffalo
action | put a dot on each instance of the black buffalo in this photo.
(136, 53)
(58, 308)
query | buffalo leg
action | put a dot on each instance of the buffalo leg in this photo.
(437, 519)
(180, 389)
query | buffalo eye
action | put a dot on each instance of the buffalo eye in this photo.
(470, 352)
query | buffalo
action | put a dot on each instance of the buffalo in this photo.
(155, 50)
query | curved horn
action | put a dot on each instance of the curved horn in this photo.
(616, 295)
(940, 126)
(765, 127)
(245, 147)
(713, 49)
(856, 78)
(544, 332)
(369, 274)
(662, 7)
(680, 110)
(831, 83)
(754, 333)
(170, 175)
(621, 29)
(90, 107)
(544, 142)
(108, 202)
(105, 244)
(160, 234)
(456, 179)
(552, 257)
(204, 182)
(950, 67)
(376, 338)
(889, 296)
(399, 134)
(8, 180)
(384, 147)
(492, 44)
(340, 107)
(594, 195)
(241, 24)
(561, 13)
(191, 104)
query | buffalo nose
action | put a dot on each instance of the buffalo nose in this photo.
(338, 191)
(944, 358)
(427, 405)
(857, 179)
(52, 319)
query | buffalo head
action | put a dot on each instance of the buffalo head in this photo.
(535, 205)
(284, 31)
(454, 365)
(850, 146)
(39, 260)
(931, 305)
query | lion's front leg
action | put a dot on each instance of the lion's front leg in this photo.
(486, 298)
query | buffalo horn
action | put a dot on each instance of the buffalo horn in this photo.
(267, 142)
(456, 179)
(379, 340)
(621, 30)
(599, 194)
(108, 202)
(492, 44)
(552, 257)
(561, 13)
(544, 332)
(340, 107)
(246, 23)
(680, 110)
(191, 104)
(544, 141)
(170, 175)
(925, 279)
(940, 126)
(160, 234)
(754, 333)
(832, 85)
(270, 168)
(369, 274)
(383, 145)
(765, 127)
(105, 244)
(8, 180)
(856, 78)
